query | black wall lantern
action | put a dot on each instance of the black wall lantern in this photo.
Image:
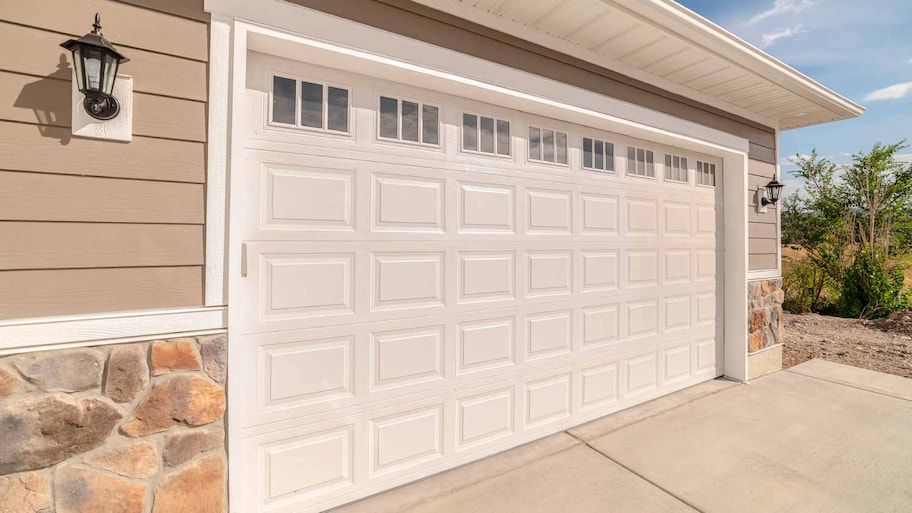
(773, 190)
(96, 61)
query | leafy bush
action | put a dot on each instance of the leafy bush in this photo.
(872, 289)
(807, 288)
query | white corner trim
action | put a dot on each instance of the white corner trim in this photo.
(217, 162)
(735, 264)
(767, 274)
(82, 330)
(765, 349)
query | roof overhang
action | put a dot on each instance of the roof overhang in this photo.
(664, 44)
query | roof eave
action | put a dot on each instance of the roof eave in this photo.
(698, 29)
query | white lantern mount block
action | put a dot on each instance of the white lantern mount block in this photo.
(120, 128)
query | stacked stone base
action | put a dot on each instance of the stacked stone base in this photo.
(765, 316)
(115, 429)
(765, 326)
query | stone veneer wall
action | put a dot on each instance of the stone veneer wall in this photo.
(765, 318)
(133, 428)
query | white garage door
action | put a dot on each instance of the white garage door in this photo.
(430, 280)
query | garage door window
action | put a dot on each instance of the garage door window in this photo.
(302, 104)
(598, 155)
(481, 134)
(706, 174)
(676, 168)
(409, 121)
(640, 162)
(547, 145)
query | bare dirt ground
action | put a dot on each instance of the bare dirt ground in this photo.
(847, 341)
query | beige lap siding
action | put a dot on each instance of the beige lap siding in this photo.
(90, 226)
(762, 229)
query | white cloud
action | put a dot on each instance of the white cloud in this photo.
(904, 157)
(769, 39)
(782, 7)
(893, 92)
(793, 160)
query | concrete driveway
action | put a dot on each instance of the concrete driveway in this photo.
(819, 437)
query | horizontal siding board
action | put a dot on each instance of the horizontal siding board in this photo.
(37, 52)
(192, 9)
(42, 197)
(81, 291)
(762, 231)
(26, 147)
(22, 97)
(423, 23)
(123, 24)
(761, 153)
(762, 262)
(768, 217)
(87, 245)
(763, 169)
(758, 246)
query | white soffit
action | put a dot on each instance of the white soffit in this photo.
(664, 44)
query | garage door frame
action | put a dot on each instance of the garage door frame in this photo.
(293, 32)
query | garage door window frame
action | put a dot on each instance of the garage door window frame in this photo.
(324, 129)
(497, 120)
(421, 106)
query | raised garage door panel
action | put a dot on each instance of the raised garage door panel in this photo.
(408, 308)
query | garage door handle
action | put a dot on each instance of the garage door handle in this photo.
(243, 260)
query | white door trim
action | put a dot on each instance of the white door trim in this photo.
(338, 43)
(84, 330)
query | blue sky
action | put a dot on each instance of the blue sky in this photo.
(861, 49)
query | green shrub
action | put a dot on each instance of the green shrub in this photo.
(807, 288)
(872, 289)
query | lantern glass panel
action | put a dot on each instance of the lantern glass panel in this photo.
(77, 67)
(110, 72)
(93, 60)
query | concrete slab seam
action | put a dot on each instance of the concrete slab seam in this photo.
(644, 478)
(847, 385)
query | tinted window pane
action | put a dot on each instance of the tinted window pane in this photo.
(561, 142)
(599, 155)
(430, 125)
(534, 143)
(631, 160)
(311, 105)
(283, 100)
(650, 165)
(487, 135)
(409, 121)
(389, 118)
(587, 152)
(609, 156)
(548, 145)
(337, 110)
(469, 132)
(503, 137)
